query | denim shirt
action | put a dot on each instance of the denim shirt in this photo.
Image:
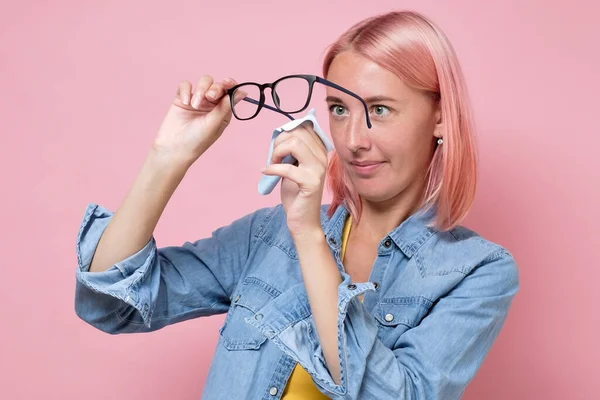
(433, 305)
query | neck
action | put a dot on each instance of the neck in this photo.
(380, 218)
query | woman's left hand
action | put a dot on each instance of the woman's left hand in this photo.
(302, 184)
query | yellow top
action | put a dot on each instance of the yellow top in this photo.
(300, 385)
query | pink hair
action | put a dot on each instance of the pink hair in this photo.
(418, 52)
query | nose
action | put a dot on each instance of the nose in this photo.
(357, 136)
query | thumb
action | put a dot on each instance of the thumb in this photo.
(221, 114)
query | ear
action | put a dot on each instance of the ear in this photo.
(437, 131)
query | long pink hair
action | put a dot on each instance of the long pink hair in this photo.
(419, 53)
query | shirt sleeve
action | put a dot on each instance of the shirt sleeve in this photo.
(156, 287)
(434, 360)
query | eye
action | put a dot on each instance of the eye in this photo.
(337, 110)
(380, 110)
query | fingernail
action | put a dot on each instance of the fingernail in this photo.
(195, 100)
(185, 99)
(240, 95)
(211, 94)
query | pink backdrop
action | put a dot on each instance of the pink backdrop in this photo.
(84, 87)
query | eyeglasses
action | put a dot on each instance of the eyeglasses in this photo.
(291, 94)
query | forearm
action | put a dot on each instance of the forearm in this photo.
(134, 222)
(321, 279)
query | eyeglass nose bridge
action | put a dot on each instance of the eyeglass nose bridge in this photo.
(274, 95)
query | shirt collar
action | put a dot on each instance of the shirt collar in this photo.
(409, 236)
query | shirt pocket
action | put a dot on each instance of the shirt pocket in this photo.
(249, 297)
(396, 315)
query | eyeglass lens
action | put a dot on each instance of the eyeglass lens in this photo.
(290, 93)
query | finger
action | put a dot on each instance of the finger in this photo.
(314, 142)
(311, 140)
(221, 114)
(228, 84)
(303, 179)
(184, 92)
(288, 171)
(299, 150)
(215, 93)
(218, 90)
(202, 86)
(239, 95)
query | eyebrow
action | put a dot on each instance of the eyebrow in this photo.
(372, 99)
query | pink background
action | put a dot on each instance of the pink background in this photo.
(83, 89)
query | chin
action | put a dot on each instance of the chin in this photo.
(376, 193)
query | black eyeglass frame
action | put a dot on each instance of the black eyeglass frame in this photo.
(273, 86)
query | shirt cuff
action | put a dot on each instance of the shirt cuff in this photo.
(122, 279)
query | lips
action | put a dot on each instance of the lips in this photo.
(365, 168)
(365, 163)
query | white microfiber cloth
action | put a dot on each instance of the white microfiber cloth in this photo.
(268, 182)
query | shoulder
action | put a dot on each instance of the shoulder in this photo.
(465, 251)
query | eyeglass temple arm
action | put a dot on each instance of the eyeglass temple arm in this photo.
(338, 87)
(251, 100)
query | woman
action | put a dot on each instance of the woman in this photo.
(381, 294)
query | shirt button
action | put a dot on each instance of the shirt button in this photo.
(387, 244)
(332, 241)
(352, 286)
(376, 285)
(258, 317)
(389, 317)
(236, 298)
(273, 391)
(146, 307)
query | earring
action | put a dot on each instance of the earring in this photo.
(440, 141)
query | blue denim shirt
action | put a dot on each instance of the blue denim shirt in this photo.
(434, 304)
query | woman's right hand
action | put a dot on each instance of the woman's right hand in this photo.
(195, 120)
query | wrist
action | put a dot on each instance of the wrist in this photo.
(163, 171)
(309, 234)
(166, 162)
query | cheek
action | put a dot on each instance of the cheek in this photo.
(336, 138)
(397, 143)
(337, 131)
(340, 142)
(408, 151)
